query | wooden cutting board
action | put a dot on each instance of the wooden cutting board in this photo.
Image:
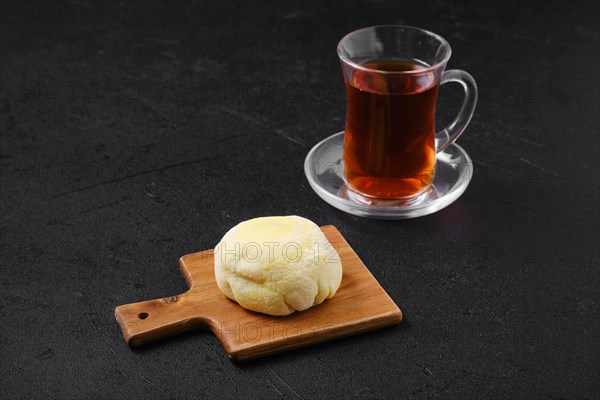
(359, 305)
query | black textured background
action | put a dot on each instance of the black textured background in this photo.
(133, 132)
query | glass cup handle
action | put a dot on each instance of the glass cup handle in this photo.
(448, 135)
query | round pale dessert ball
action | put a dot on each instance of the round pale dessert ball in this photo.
(277, 265)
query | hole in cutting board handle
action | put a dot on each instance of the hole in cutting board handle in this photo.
(143, 315)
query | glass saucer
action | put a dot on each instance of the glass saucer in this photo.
(323, 169)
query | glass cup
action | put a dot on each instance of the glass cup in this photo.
(392, 75)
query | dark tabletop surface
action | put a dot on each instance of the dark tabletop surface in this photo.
(133, 133)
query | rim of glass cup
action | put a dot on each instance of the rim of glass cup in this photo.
(433, 67)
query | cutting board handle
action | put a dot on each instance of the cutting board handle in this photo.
(148, 321)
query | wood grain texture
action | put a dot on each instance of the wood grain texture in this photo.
(359, 305)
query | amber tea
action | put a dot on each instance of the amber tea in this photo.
(389, 144)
